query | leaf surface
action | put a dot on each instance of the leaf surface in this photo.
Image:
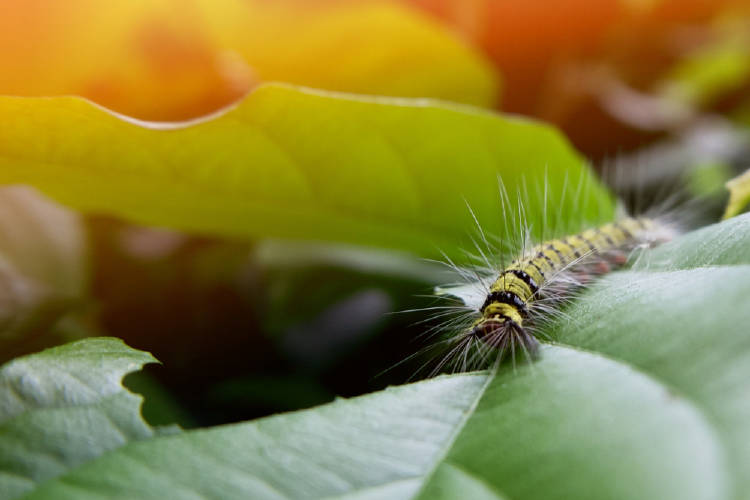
(621, 408)
(63, 407)
(681, 317)
(302, 164)
(503, 435)
(739, 194)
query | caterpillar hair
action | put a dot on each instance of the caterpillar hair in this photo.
(522, 292)
(506, 306)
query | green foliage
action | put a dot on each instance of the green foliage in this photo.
(643, 396)
(739, 194)
(303, 164)
(63, 407)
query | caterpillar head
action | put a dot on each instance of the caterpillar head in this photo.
(504, 334)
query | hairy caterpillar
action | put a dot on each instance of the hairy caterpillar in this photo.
(506, 306)
(521, 286)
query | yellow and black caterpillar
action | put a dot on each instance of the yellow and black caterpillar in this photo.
(531, 287)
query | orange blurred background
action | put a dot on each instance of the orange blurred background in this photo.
(178, 59)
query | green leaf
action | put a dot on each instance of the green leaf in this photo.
(739, 194)
(724, 244)
(685, 325)
(437, 436)
(302, 164)
(647, 400)
(63, 407)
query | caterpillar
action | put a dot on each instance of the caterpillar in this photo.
(523, 295)
(521, 285)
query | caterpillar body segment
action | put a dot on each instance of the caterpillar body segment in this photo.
(522, 292)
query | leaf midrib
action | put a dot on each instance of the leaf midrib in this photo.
(448, 445)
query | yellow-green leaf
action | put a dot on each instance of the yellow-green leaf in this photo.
(303, 164)
(739, 194)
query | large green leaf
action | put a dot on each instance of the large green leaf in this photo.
(681, 317)
(649, 400)
(557, 431)
(303, 164)
(63, 407)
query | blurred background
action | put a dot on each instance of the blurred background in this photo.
(246, 329)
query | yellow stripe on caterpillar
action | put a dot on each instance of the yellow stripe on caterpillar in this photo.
(512, 296)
